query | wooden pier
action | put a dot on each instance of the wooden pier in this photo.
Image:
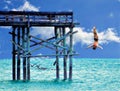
(22, 41)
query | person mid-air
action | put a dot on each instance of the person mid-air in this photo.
(95, 44)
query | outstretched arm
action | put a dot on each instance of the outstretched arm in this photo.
(90, 46)
(100, 47)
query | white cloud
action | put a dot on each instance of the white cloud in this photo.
(44, 32)
(108, 36)
(26, 7)
(82, 36)
(8, 1)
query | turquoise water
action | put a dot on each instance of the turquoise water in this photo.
(88, 75)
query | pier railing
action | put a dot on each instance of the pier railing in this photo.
(11, 18)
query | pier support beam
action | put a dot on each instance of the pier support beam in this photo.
(18, 54)
(70, 57)
(28, 49)
(24, 58)
(26, 46)
(57, 51)
(13, 55)
(21, 46)
(65, 55)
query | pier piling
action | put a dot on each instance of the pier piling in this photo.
(18, 53)
(65, 56)
(70, 57)
(13, 55)
(57, 51)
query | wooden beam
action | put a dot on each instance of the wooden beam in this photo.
(24, 58)
(18, 54)
(36, 43)
(45, 45)
(50, 55)
(57, 57)
(34, 13)
(28, 50)
(54, 44)
(70, 57)
(64, 59)
(65, 36)
(13, 56)
(14, 43)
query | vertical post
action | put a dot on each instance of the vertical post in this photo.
(70, 57)
(13, 56)
(18, 54)
(57, 57)
(28, 49)
(65, 59)
(24, 58)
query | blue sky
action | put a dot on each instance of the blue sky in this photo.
(104, 14)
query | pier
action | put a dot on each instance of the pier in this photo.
(23, 43)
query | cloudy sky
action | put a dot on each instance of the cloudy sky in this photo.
(104, 14)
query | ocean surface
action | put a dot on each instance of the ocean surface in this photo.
(88, 75)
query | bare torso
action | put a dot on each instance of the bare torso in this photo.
(95, 44)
